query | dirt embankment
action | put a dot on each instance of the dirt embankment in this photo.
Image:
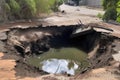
(103, 54)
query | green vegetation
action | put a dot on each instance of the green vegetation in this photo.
(15, 7)
(112, 8)
(99, 15)
(27, 9)
(118, 11)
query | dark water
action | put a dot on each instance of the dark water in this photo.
(64, 60)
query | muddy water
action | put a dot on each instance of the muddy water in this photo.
(68, 60)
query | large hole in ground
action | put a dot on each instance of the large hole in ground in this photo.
(52, 50)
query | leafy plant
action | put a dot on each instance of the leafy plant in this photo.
(7, 7)
(14, 7)
(31, 5)
(112, 10)
(99, 15)
(118, 12)
(28, 9)
(110, 14)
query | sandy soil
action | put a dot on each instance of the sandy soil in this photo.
(102, 74)
(7, 71)
(7, 68)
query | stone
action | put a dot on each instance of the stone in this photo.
(3, 36)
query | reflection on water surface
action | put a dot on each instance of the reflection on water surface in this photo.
(64, 60)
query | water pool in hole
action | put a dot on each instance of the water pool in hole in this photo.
(68, 60)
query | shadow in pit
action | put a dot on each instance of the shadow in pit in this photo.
(85, 42)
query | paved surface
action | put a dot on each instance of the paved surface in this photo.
(73, 14)
(80, 10)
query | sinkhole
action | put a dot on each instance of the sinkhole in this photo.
(53, 50)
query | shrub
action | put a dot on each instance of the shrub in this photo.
(28, 9)
(112, 10)
(110, 14)
(99, 15)
(118, 19)
(14, 8)
(118, 12)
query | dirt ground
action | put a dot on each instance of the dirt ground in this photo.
(7, 71)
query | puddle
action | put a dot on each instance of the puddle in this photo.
(60, 61)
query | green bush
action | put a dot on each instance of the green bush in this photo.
(14, 8)
(47, 6)
(55, 4)
(110, 14)
(31, 5)
(118, 12)
(99, 15)
(7, 7)
(118, 19)
(112, 10)
(109, 3)
(42, 6)
(27, 9)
